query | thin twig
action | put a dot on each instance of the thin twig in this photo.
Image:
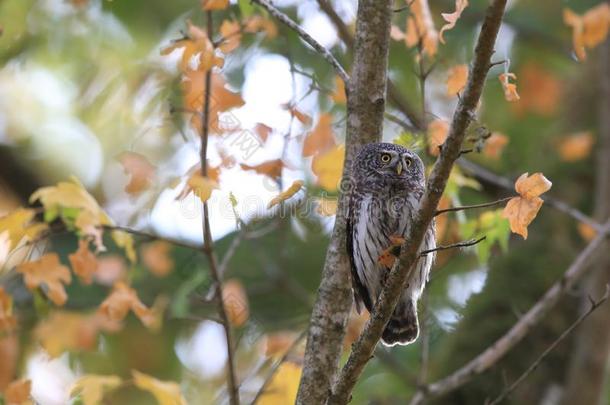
(469, 207)
(326, 54)
(545, 353)
(467, 243)
(208, 243)
(275, 368)
(151, 236)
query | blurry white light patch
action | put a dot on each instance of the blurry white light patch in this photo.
(320, 28)
(447, 318)
(205, 351)
(462, 286)
(51, 378)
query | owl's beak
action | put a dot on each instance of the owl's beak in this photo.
(399, 168)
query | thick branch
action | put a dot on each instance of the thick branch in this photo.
(305, 37)
(529, 320)
(365, 108)
(545, 353)
(364, 346)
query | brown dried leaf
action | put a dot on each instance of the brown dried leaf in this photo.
(84, 263)
(18, 392)
(214, 4)
(452, 18)
(588, 30)
(510, 89)
(48, 271)
(458, 76)
(338, 95)
(522, 210)
(7, 319)
(121, 300)
(235, 301)
(438, 130)
(576, 147)
(156, 256)
(328, 167)
(141, 171)
(271, 168)
(321, 138)
(286, 194)
(231, 34)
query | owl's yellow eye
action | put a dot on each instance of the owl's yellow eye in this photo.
(408, 161)
(385, 158)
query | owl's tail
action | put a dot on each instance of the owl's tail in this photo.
(403, 327)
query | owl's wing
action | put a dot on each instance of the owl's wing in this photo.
(361, 295)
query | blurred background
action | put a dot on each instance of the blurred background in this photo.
(95, 90)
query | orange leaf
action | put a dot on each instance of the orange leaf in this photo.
(321, 139)
(586, 231)
(510, 89)
(201, 186)
(165, 392)
(7, 319)
(48, 271)
(338, 95)
(141, 171)
(20, 224)
(214, 4)
(576, 147)
(235, 302)
(263, 131)
(18, 392)
(588, 30)
(540, 90)
(388, 256)
(286, 194)
(278, 343)
(303, 118)
(231, 36)
(156, 256)
(65, 331)
(271, 168)
(258, 23)
(420, 27)
(437, 133)
(495, 145)
(122, 299)
(452, 18)
(84, 263)
(110, 269)
(197, 43)
(396, 33)
(328, 167)
(522, 210)
(458, 76)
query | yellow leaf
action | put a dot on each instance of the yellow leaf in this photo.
(202, 186)
(452, 18)
(458, 76)
(338, 95)
(522, 210)
(166, 392)
(124, 240)
(18, 392)
(438, 130)
(321, 138)
(327, 207)
(7, 319)
(156, 256)
(231, 35)
(510, 89)
(197, 43)
(141, 171)
(576, 147)
(283, 386)
(258, 23)
(91, 387)
(588, 30)
(328, 167)
(84, 263)
(65, 331)
(540, 90)
(19, 225)
(48, 271)
(235, 301)
(214, 4)
(286, 194)
(271, 168)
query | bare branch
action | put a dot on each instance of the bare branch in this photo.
(528, 321)
(469, 207)
(545, 353)
(467, 243)
(326, 54)
(208, 243)
(397, 278)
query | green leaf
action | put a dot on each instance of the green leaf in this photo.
(246, 7)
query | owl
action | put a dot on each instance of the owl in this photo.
(387, 183)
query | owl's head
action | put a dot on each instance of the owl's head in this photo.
(390, 162)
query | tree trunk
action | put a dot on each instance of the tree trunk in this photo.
(366, 92)
(587, 371)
